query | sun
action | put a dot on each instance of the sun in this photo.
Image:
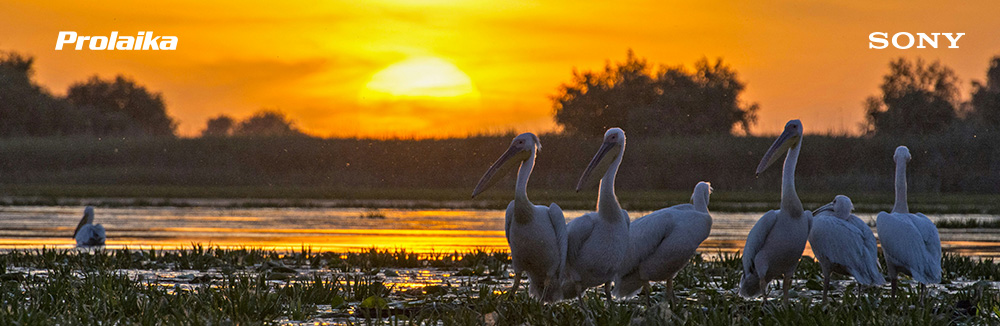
(419, 78)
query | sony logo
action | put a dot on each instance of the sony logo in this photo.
(904, 40)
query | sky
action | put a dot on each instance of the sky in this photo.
(436, 68)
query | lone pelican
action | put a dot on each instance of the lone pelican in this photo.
(598, 240)
(843, 243)
(536, 234)
(909, 241)
(87, 233)
(775, 243)
(663, 242)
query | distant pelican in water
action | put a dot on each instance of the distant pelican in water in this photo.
(536, 234)
(663, 242)
(775, 243)
(87, 233)
(843, 243)
(598, 240)
(909, 241)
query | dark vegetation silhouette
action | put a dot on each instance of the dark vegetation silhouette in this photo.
(264, 123)
(118, 107)
(647, 100)
(960, 156)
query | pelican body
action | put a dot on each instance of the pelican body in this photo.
(597, 241)
(662, 242)
(776, 242)
(536, 234)
(843, 243)
(910, 241)
(88, 234)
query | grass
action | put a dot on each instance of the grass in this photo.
(242, 287)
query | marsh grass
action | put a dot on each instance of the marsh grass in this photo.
(238, 287)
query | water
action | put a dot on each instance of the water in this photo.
(341, 229)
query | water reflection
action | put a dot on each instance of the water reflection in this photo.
(344, 229)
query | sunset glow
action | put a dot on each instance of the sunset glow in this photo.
(402, 68)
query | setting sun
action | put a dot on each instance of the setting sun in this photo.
(426, 77)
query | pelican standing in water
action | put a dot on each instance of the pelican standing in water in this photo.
(843, 243)
(87, 233)
(663, 242)
(909, 241)
(536, 234)
(775, 243)
(598, 241)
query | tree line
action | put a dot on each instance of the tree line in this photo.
(105, 107)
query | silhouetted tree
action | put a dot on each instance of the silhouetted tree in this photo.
(27, 109)
(986, 96)
(120, 107)
(670, 101)
(916, 98)
(267, 123)
(220, 126)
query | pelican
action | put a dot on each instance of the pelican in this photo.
(775, 243)
(909, 241)
(663, 242)
(598, 241)
(536, 234)
(843, 243)
(87, 233)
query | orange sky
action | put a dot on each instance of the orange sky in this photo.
(313, 59)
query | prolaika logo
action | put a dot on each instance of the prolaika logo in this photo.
(144, 41)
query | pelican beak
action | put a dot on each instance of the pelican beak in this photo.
(504, 165)
(787, 140)
(598, 160)
(83, 221)
(824, 208)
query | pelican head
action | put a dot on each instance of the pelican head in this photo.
(519, 151)
(841, 206)
(902, 153)
(702, 191)
(788, 140)
(88, 218)
(614, 141)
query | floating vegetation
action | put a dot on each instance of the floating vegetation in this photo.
(372, 213)
(971, 223)
(205, 285)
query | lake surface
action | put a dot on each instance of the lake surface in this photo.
(342, 229)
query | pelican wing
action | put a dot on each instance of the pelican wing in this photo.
(842, 242)
(577, 232)
(755, 240)
(871, 245)
(932, 242)
(646, 234)
(559, 225)
(903, 242)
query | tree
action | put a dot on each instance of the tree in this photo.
(670, 101)
(267, 123)
(220, 126)
(916, 98)
(986, 96)
(121, 107)
(26, 109)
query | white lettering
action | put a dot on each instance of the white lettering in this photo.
(143, 41)
(65, 37)
(872, 38)
(169, 43)
(125, 43)
(895, 38)
(923, 37)
(953, 40)
(151, 43)
(95, 45)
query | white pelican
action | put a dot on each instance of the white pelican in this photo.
(598, 241)
(909, 241)
(843, 243)
(87, 233)
(536, 234)
(775, 243)
(663, 242)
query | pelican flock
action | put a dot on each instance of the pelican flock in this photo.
(777, 240)
(88, 234)
(598, 241)
(843, 243)
(909, 240)
(536, 234)
(662, 242)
